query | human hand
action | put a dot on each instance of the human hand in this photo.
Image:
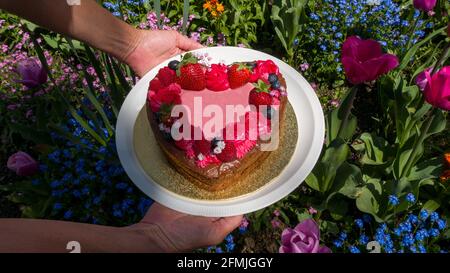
(156, 46)
(189, 232)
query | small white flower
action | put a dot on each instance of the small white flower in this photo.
(221, 144)
(200, 157)
(161, 127)
(217, 150)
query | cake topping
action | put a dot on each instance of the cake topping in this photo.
(190, 73)
(263, 69)
(195, 85)
(260, 94)
(217, 145)
(166, 76)
(228, 153)
(202, 146)
(173, 65)
(217, 78)
(238, 75)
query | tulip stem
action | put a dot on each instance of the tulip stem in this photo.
(423, 133)
(441, 59)
(347, 112)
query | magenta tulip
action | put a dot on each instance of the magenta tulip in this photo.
(425, 5)
(437, 91)
(31, 73)
(421, 79)
(364, 60)
(23, 164)
(304, 238)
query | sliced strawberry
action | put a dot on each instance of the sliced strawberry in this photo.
(259, 98)
(228, 153)
(238, 75)
(192, 77)
(202, 146)
(166, 76)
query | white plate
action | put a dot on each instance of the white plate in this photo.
(311, 128)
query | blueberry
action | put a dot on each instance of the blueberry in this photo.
(173, 64)
(276, 85)
(273, 78)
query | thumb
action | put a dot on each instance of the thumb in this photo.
(186, 44)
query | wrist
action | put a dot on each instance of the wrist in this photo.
(153, 237)
(127, 45)
(136, 51)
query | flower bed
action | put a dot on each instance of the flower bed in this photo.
(380, 68)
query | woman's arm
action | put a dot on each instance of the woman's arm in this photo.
(91, 23)
(161, 230)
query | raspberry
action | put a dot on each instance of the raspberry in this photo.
(228, 153)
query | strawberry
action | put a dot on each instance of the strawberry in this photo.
(166, 76)
(260, 94)
(228, 153)
(259, 98)
(190, 74)
(192, 77)
(238, 75)
(202, 146)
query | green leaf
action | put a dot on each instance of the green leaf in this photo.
(185, 15)
(349, 180)
(50, 41)
(376, 149)
(406, 60)
(323, 174)
(157, 4)
(431, 205)
(427, 169)
(30, 133)
(30, 26)
(338, 207)
(336, 117)
(368, 199)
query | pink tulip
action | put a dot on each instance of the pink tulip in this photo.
(304, 238)
(437, 91)
(22, 163)
(424, 5)
(421, 79)
(364, 60)
(31, 73)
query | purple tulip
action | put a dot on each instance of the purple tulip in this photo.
(23, 164)
(424, 5)
(31, 73)
(304, 238)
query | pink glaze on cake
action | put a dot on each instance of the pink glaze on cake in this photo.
(243, 142)
(231, 97)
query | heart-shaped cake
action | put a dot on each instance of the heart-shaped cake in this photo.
(215, 122)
